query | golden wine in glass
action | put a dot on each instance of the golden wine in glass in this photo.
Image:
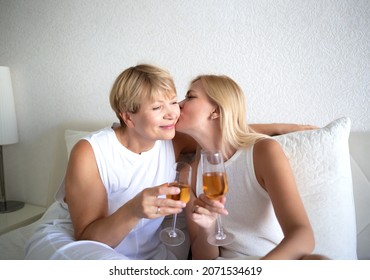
(215, 185)
(184, 194)
(173, 236)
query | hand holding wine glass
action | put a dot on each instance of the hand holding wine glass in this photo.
(172, 236)
(215, 185)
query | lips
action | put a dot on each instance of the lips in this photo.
(168, 127)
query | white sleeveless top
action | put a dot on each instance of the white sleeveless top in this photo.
(125, 174)
(251, 216)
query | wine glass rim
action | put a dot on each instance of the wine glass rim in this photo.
(211, 151)
(180, 165)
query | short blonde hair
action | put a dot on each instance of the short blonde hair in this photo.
(231, 102)
(139, 83)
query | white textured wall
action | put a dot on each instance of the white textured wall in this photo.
(304, 61)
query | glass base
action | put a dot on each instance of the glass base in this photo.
(216, 240)
(171, 238)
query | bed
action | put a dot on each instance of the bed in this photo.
(332, 169)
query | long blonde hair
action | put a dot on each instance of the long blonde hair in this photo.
(138, 83)
(230, 99)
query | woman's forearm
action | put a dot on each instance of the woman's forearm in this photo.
(294, 246)
(201, 249)
(280, 128)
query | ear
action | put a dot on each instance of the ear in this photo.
(126, 117)
(215, 114)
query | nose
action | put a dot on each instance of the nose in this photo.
(173, 112)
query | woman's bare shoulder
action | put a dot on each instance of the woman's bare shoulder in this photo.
(266, 146)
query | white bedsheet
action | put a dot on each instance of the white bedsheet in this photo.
(12, 243)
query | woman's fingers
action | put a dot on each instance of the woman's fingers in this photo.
(215, 206)
(156, 204)
(203, 217)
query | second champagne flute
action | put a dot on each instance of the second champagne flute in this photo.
(215, 185)
(172, 236)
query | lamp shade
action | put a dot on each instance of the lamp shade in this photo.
(8, 120)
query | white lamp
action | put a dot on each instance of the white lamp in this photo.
(8, 133)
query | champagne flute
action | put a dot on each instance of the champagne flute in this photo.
(181, 173)
(215, 185)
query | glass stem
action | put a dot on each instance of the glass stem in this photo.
(220, 230)
(173, 233)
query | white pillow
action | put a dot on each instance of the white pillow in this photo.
(321, 165)
(72, 136)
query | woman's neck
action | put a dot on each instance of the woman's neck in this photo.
(212, 141)
(132, 143)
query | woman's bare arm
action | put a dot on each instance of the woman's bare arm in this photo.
(274, 173)
(88, 204)
(280, 128)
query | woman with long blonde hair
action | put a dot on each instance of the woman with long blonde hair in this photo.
(262, 208)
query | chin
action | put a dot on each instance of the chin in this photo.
(169, 135)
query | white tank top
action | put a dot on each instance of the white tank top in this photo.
(251, 216)
(125, 174)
